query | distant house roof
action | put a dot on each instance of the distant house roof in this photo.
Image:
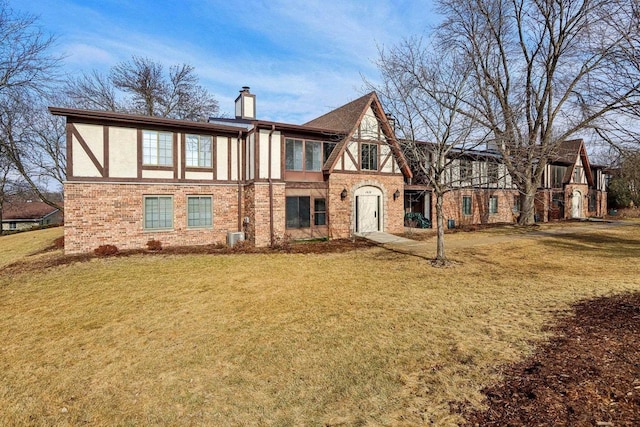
(26, 211)
(567, 151)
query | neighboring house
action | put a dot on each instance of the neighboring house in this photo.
(483, 192)
(25, 215)
(131, 179)
(571, 187)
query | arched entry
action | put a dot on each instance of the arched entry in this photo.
(368, 209)
(576, 204)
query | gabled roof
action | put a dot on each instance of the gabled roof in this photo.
(26, 211)
(568, 153)
(346, 119)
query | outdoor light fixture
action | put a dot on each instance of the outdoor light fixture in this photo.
(396, 194)
(343, 194)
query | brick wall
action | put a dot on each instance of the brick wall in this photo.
(452, 206)
(101, 213)
(341, 212)
(262, 209)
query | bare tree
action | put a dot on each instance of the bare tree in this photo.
(5, 183)
(422, 91)
(19, 124)
(141, 86)
(543, 72)
(27, 71)
(624, 187)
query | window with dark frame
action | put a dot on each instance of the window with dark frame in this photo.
(369, 157)
(293, 154)
(493, 204)
(557, 176)
(577, 174)
(198, 150)
(592, 202)
(298, 212)
(303, 155)
(493, 172)
(466, 169)
(319, 212)
(327, 150)
(466, 205)
(158, 212)
(157, 148)
(517, 204)
(313, 155)
(199, 211)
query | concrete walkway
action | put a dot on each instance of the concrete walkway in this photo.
(462, 240)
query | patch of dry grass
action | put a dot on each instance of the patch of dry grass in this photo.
(14, 247)
(362, 338)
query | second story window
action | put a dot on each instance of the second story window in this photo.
(157, 148)
(313, 155)
(301, 155)
(577, 174)
(293, 154)
(557, 176)
(493, 172)
(466, 170)
(198, 150)
(369, 157)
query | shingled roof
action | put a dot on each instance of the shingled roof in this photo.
(567, 151)
(26, 211)
(345, 118)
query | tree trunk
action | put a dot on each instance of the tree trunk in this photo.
(528, 208)
(440, 257)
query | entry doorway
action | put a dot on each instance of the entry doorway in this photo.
(368, 209)
(576, 204)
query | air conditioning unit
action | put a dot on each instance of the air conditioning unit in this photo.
(234, 237)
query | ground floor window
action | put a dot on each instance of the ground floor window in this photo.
(517, 203)
(12, 225)
(592, 202)
(199, 211)
(298, 212)
(493, 204)
(319, 212)
(466, 205)
(158, 212)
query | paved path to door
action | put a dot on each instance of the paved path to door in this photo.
(462, 240)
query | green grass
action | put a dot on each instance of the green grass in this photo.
(363, 338)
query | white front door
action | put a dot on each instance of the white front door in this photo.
(576, 205)
(368, 213)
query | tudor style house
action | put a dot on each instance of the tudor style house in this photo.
(482, 191)
(132, 179)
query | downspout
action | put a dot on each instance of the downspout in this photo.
(271, 233)
(240, 209)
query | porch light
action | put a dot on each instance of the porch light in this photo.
(396, 194)
(343, 194)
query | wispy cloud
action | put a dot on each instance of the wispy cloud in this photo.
(300, 58)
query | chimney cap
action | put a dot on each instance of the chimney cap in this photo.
(245, 89)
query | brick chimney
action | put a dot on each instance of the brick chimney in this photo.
(246, 104)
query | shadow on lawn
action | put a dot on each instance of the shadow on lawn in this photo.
(606, 245)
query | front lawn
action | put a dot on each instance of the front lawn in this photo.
(368, 337)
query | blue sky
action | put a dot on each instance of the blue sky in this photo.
(300, 58)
